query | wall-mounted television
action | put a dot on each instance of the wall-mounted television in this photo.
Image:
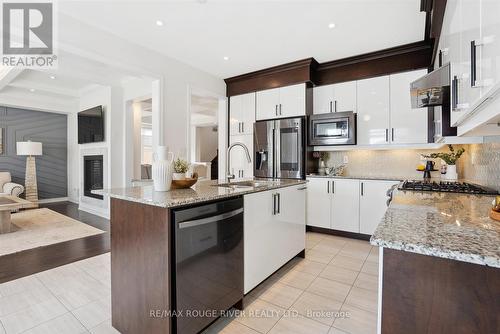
(91, 125)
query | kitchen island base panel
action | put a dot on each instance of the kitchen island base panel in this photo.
(140, 267)
(426, 294)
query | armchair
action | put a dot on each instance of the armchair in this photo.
(9, 188)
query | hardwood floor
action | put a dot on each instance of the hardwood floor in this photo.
(31, 261)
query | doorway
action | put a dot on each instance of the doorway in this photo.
(143, 138)
(204, 134)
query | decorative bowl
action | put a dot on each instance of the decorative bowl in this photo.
(185, 183)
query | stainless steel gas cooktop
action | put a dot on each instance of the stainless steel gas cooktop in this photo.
(446, 186)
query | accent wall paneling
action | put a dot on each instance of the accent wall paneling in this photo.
(48, 128)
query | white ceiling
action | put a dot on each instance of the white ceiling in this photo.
(255, 34)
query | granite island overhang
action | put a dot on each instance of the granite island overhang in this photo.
(439, 264)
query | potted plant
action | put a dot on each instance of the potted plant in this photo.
(450, 159)
(323, 157)
(180, 168)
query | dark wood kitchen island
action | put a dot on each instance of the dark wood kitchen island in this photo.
(439, 268)
(145, 248)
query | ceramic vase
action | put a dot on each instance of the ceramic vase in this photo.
(451, 173)
(162, 169)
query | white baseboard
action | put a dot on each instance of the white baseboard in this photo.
(100, 213)
(53, 200)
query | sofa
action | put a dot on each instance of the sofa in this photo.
(7, 187)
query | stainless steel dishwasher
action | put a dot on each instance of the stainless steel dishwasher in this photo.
(208, 276)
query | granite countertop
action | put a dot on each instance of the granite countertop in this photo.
(446, 225)
(363, 177)
(202, 191)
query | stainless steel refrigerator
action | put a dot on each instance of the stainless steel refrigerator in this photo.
(280, 148)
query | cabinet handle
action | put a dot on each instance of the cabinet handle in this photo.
(242, 127)
(276, 111)
(274, 204)
(392, 133)
(333, 187)
(387, 135)
(278, 195)
(239, 127)
(335, 104)
(440, 61)
(280, 109)
(473, 64)
(302, 188)
(454, 93)
(362, 189)
(328, 187)
(331, 108)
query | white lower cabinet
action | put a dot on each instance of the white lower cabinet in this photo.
(372, 204)
(348, 205)
(345, 205)
(274, 231)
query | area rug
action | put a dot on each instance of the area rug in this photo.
(42, 227)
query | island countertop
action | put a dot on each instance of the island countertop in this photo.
(446, 225)
(202, 191)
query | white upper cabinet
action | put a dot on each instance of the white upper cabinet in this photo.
(292, 101)
(470, 33)
(372, 204)
(242, 114)
(335, 98)
(408, 126)
(345, 205)
(281, 102)
(373, 111)
(490, 50)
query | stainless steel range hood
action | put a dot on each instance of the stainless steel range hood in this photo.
(432, 89)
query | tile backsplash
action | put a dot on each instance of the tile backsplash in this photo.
(479, 164)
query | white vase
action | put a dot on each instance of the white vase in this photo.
(162, 169)
(451, 173)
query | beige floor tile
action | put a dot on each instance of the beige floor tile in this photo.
(94, 313)
(297, 279)
(313, 236)
(347, 262)
(363, 299)
(229, 326)
(260, 316)
(355, 253)
(334, 330)
(372, 258)
(366, 281)
(339, 274)
(310, 267)
(281, 295)
(334, 242)
(329, 289)
(311, 243)
(316, 307)
(65, 324)
(358, 322)
(370, 268)
(358, 244)
(298, 325)
(319, 256)
(104, 328)
(326, 248)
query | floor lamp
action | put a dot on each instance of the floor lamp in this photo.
(30, 148)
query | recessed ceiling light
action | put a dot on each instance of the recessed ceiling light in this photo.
(52, 77)
(32, 90)
(159, 23)
(331, 25)
(226, 58)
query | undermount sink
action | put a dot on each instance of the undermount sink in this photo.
(247, 184)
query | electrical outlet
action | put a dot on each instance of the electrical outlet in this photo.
(346, 159)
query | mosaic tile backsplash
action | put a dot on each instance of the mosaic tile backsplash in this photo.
(480, 163)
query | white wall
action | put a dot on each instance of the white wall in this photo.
(174, 77)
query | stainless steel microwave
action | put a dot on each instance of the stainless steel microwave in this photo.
(333, 129)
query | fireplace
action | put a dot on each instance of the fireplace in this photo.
(93, 175)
